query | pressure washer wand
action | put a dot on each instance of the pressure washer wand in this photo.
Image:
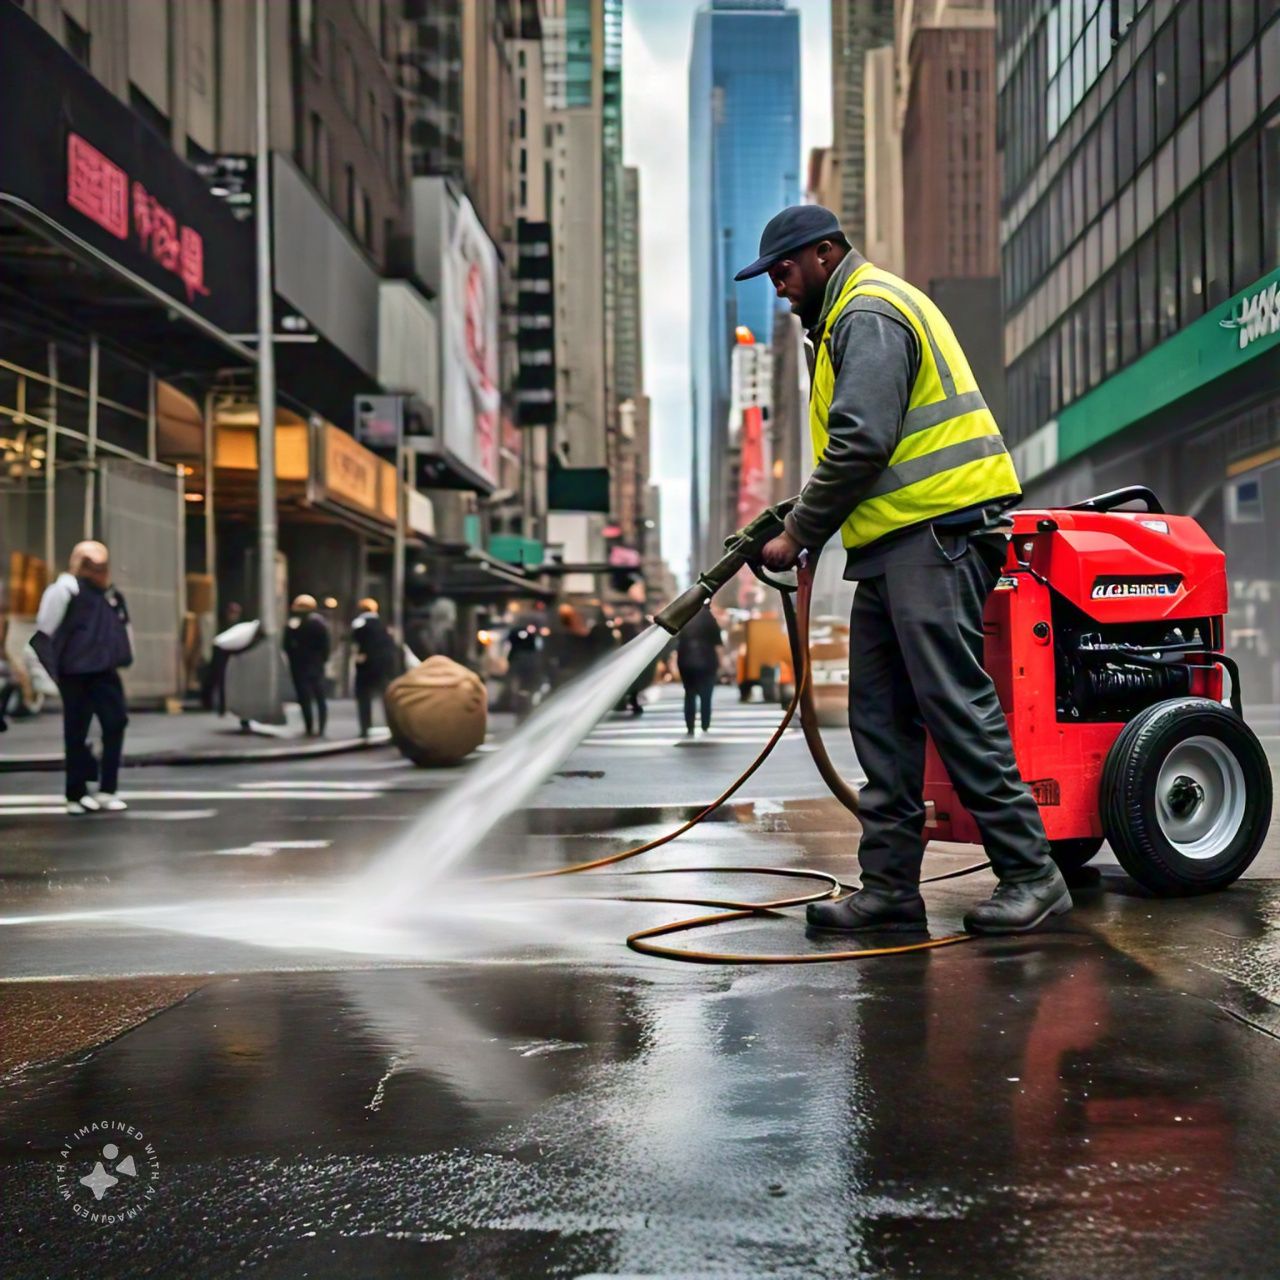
(741, 549)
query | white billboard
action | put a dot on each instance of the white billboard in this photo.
(455, 258)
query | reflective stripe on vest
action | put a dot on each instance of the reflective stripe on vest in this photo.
(949, 454)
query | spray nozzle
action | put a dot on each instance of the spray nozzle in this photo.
(741, 549)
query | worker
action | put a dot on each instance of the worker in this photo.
(306, 646)
(375, 659)
(911, 468)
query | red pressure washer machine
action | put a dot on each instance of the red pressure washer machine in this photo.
(1104, 637)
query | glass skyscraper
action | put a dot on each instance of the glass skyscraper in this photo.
(744, 165)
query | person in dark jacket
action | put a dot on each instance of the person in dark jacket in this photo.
(306, 646)
(634, 625)
(698, 657)
(82, 639)
(524, 664)
(376, 662)
(569, 645)
(219, 660)
(601, 639)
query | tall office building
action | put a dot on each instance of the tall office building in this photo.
(822, 183)
(950, 168)
(950, 172)
(579, 99)
(1141, 258)
(630, 469)
(744, 165)
(857, 26)
(882, 233)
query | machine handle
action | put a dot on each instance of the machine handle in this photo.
(1118, 497)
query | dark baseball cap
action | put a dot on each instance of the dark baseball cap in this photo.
(790, 230)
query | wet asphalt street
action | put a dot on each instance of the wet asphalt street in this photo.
(487, 1083)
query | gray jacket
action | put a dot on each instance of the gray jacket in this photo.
(876, 357)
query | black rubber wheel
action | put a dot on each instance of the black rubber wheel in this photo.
(1186, 796)
(785, 693)
(769, 683)
(744, 691)
(1071, 855)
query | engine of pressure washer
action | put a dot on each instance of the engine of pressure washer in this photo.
(1099, 616)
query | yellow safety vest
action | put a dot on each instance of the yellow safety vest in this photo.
(950, 454)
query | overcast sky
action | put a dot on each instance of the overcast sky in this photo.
(656, 40)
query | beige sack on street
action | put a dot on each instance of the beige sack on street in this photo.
(438, 712)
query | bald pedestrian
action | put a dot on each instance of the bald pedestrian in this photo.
(376, 659)
(83, 640)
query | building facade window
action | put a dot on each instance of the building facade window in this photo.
(1246, 215)
(1217, 236)
(77, 39)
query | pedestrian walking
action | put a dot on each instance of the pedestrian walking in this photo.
(524, 665)
(568, 646)
(912, 470)
(376, 663)
(10, 687)
(219, 660)
(698, 659)
(601, 639)
(83, 640)
(632, 626)
(306, 646)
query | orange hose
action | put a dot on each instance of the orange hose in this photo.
(729, 910)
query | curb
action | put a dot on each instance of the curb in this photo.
(53, 762)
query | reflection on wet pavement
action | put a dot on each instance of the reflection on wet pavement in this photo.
(1095, 1101)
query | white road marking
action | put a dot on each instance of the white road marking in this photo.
(168, 815)
(11, 802)
(713, 738)
(305, 786)
(265, 848)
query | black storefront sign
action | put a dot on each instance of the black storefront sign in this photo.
(536, 334)
(76, 155)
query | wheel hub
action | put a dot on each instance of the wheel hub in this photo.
(1200, 797)
(1186, 795)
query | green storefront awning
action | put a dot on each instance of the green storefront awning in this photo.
(1217, 344)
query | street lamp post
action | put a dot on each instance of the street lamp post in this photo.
(403, 457)
(267, 533)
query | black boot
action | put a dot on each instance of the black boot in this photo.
(1019, 906)
(868, 911)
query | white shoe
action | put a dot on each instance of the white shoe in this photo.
(86, 804)
(110, 803)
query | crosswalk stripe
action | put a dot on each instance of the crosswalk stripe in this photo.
(712, 739)
(372, 793)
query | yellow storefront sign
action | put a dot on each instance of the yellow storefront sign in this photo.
(354, 475)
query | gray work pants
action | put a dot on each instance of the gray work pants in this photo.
(915, 648)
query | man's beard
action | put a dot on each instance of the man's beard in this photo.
(807, 314)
